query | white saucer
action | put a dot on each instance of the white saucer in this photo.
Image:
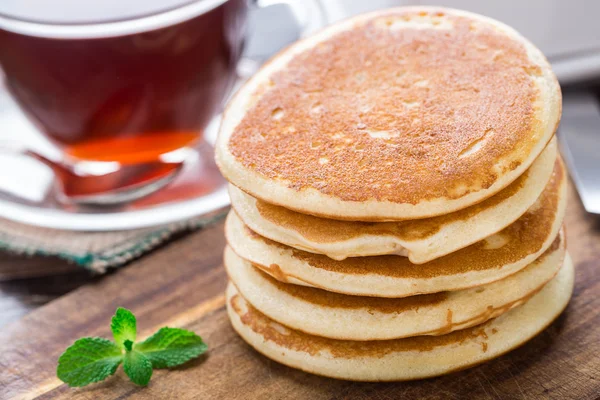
(27, 195)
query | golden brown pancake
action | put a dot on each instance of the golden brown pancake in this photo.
(421, 240)
(337, 316)
(488, 260)
(401, 359)
(400, 114)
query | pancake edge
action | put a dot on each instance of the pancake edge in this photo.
(557, 292)
(446, 316)
(418, 251)
(295, 270)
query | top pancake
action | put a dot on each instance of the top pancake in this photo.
(400, 114)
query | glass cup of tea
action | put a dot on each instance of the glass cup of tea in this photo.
(116, 81)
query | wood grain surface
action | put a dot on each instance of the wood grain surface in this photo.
(182, 285)
(23, 295)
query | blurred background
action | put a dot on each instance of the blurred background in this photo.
(566, 31)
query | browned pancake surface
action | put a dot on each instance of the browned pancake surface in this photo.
(525, 236)
(328, 230)
(394, 113)
(329, 299)
(296, 340)
(379, 304)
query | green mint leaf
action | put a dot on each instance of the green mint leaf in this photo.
(137, 367)
(123, 326)
(88, 360)
(93, 359)
(170, 347)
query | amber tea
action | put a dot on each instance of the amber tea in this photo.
(126, 94)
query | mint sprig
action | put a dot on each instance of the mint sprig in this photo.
(93, 359)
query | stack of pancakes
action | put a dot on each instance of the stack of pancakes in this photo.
(397, 197)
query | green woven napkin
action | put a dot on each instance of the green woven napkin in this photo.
(96, 251)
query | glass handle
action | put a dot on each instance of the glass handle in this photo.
(274, 25)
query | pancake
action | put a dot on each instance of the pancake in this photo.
(486, 261)
(337, 316)
(401, 359)
(400, 114)
(421, 240)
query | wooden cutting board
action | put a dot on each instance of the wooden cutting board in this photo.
(182, 285)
